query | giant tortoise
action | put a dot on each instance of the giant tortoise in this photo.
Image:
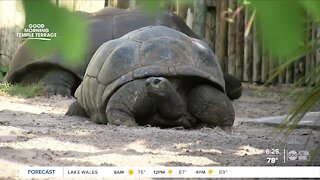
(154, 75)
(59, 77)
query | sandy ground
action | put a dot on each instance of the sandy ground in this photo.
(35, 132)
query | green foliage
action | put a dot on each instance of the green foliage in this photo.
(313, 8)
(281, 25)
(71, 30)
(21, 90)
(155, 7)
(3, 71)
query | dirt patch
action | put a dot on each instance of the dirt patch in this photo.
(35, 132)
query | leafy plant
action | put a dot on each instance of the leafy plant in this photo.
(71, 31)
(282, 25)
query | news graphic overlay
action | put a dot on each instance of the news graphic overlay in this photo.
(296, 155)
(276, 156)
(38, 32)
(172, 172)
(273, 155)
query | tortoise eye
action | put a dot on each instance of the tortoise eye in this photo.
(156, 81)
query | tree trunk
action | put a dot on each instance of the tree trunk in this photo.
(256, 56)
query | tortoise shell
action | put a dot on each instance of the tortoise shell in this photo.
(146, 52)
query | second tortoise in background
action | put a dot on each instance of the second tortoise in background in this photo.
(158, 76)
(59, 77)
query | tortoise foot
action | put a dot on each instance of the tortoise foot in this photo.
(75, 109)
(51, 90)
(185, 121)
(119, 118)
(58, 82)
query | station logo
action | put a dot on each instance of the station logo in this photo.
(294, 155)
(38, 32)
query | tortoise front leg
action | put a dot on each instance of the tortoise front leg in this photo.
(186, 121)
(117, 117)
(130, 105)
(58, 82)
(211, 107)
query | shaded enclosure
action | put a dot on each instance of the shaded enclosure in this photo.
(221, 23)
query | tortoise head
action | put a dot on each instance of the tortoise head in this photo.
(158, 87)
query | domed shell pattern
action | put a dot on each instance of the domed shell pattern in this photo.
(145, 52)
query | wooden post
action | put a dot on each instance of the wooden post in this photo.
(132, 3)
(179, 10)
(182, 8)
(282, 75)
(57, 3)
(210, 27)
(256, 55)
(248, 47)
(189, 20)
(308, 38)
(232, 28)
(67, 4)
(273, 63)
(11, 22)
(88, 6)
(313, 55)
(199, 17)
(264, 64)
(221, 34)
(239, 44)
(123, 4)
(112, 3)
(318, 54)
(290, 73)
(211, 3)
